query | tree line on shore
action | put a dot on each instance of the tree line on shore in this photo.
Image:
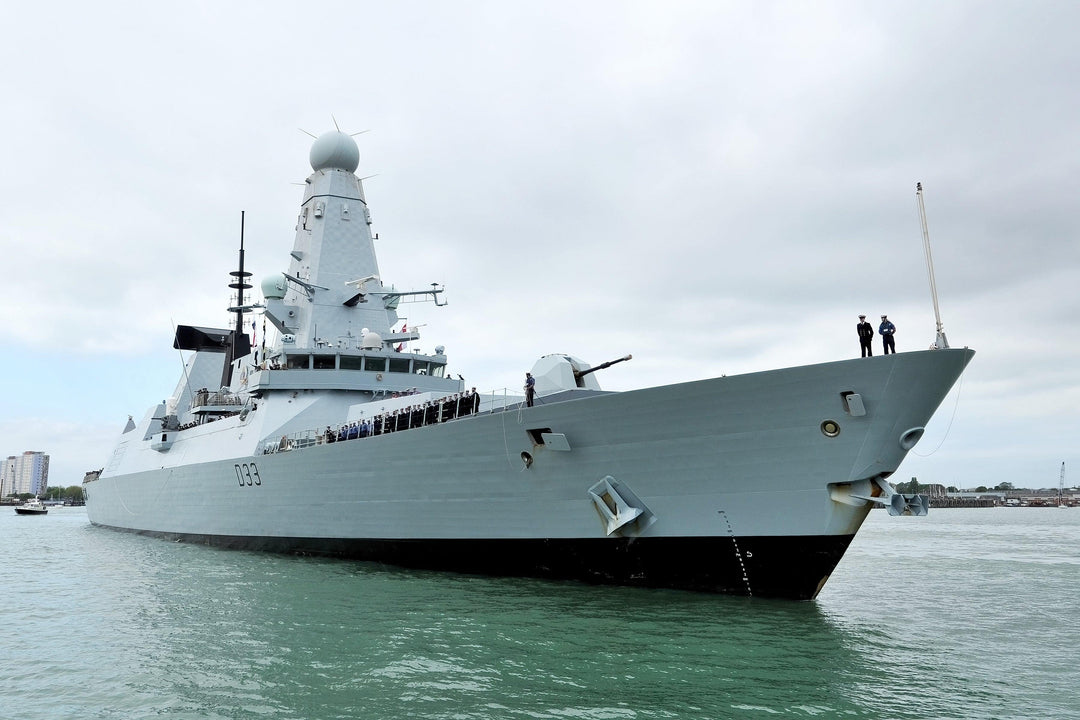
(913, 487)
(72, 493)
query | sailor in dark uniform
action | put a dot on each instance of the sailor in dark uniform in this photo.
(530, 389)
(866, 334)
(887, 330)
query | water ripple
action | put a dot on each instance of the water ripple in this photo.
(964, 614)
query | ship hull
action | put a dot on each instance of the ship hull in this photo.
(793, 568)
(740, 489)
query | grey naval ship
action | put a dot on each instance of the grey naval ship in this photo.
(337, 439)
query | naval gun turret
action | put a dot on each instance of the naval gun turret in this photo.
(559, 372)
(578, 374)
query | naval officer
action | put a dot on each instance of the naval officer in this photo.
(530, 389)
(886, 329)
(866, 334)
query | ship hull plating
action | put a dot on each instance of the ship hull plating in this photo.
(735, 479)
(793, 568)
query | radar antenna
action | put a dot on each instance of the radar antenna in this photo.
(311, 134)
(940, 342)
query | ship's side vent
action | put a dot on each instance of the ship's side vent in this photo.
(853, 403)
(537, 435)
(543, 437)
(556, 441)
(620, 510)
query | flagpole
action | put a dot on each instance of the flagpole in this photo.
(940, 342)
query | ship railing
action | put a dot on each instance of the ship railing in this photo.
(448, 409)
(445, 410)
(291, 441)
(205, 397)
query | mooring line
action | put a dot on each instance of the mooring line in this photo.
(956, 406)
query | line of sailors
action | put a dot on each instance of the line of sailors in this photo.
(413, 416)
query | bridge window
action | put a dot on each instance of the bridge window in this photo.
(399, 365)
(297, 362)
(323, 362)
(352, 362)
(375, 364)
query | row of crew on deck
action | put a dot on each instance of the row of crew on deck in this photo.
(431, 412)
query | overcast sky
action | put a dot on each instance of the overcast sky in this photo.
(714, 187)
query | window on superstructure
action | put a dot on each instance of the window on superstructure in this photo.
(351, 362)
(421, 367)
(438, 370)
(375, 364)
(324, 362)
(399, 365)
(297, 362)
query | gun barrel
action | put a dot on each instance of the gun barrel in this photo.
(601, 366)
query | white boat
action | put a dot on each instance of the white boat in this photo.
(32, 507)
(751, 484)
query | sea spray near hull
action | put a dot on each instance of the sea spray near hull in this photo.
(740, 484)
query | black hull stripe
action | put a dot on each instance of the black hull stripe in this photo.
(781, 567)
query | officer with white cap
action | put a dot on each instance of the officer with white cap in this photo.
(886, 329)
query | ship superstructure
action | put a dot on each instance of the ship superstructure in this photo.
(338, 439)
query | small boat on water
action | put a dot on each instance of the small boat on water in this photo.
(32, 507)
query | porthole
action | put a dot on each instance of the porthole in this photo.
(527, 459)
(830, 428)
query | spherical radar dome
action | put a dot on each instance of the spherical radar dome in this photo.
(335, 150)
(274, 287)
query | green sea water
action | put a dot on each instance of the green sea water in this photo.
(961, 614)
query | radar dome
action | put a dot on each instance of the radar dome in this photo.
(371, 341)
(335, 150)
(273, 287)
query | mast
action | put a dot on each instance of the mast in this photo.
(1061, 485)
(240, 284)
(239, 345)
(940, 342)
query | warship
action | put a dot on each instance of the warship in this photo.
(336, 437)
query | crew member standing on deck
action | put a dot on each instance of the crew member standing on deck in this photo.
(886, 329)
(530, 389)
(866, 334)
